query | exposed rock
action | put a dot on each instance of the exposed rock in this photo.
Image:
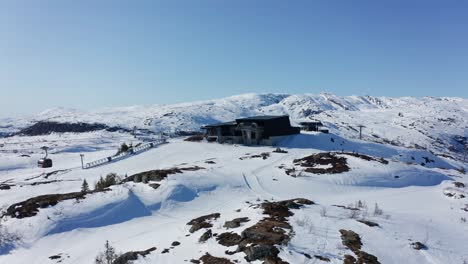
(348, 259)
(322, 258)
(55, 257)
(337, 164)
(202, 222)
(5, 187)
(260, 252)
(418, 245)
(267, 232)
(236, 222)
(351, 240)
(154, 185)
(132, 255)
(459, 184)
(263, 155)
(279, 150)
(175, 243)
(31, 206)
(369, 223)
(207, 235)
(229, 239)
(158, 175)
(166, 250)
(208, 259)
(259, 240)
(366, 258)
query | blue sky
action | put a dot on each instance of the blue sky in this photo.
(89, 54)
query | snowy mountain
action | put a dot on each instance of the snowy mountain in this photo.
(438, 124)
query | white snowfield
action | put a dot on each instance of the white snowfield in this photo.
(135, 216)
(422, 191)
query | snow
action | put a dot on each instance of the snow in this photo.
(135, 216)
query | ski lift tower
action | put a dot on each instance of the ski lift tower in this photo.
(360, 130)
(82, 164)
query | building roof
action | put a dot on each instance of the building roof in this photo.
(310, 123)
(251, 118)
(265, 117)
(231, 123)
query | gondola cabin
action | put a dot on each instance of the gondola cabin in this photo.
(44, 163)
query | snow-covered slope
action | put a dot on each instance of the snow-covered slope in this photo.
(438, 124)
(232, 181)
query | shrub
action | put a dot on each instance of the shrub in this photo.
(377, 210)
(353, 214)
(323, 211)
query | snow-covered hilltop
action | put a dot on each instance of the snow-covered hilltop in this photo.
(438, 124)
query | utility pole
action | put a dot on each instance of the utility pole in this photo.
(82, 165)
(360, 131)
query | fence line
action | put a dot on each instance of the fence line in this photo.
(132, 151)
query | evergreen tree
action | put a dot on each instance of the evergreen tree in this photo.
(84, 187)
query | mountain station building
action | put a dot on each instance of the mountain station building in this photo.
(255, 130)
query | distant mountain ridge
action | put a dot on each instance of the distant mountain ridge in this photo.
(439, 124)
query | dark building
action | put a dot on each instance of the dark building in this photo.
(311, 126)
(256, 130)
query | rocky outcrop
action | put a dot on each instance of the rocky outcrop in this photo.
(31, 206)
(208, 259)
(236, 222)
(207, 235)
(132, 255)
(315, 163)
(158, 175)
(202, 222)
(352, 240)
(229, 239)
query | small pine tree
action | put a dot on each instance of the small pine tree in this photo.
(108, 256)
(84, 187)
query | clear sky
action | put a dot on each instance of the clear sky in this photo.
(89, 54)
